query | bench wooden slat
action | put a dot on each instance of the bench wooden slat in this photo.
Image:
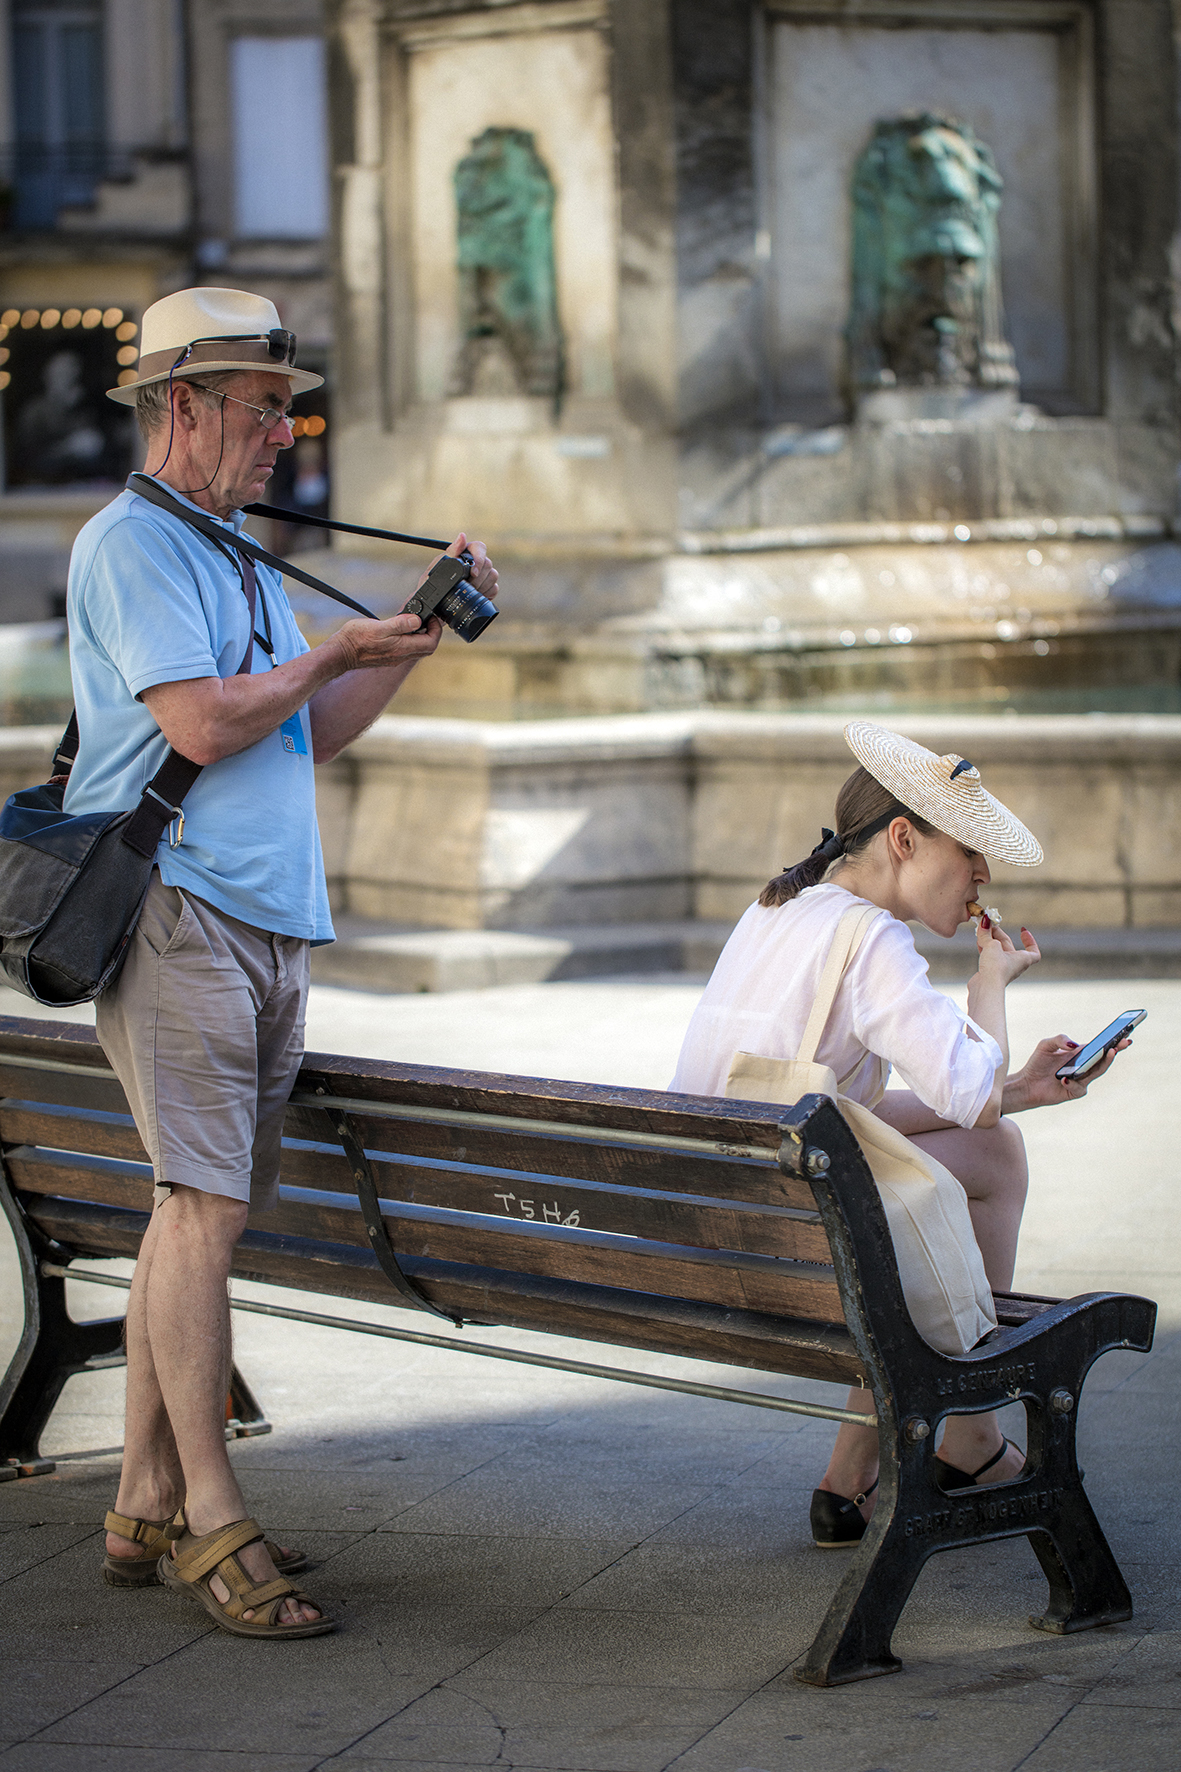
(69, 1089)
(736, 1337)
(750, 1281)
(42, 1173)
(508, 1145)
(114, 1135)
(537, 1098)
(108, 1183)
(699, 1226)
(543, 1199)
(542, 1098)
(60, 1128)
(731, 1278)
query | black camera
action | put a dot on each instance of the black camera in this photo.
(446, 592)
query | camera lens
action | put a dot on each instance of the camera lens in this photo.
(466, 611)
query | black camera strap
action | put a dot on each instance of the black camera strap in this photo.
(272, 511)
(227, 539)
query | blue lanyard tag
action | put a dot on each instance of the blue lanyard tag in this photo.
(292, 734)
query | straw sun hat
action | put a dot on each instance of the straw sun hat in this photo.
(946, 791)
(205, 330)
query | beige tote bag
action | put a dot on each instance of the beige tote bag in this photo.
(939, 1262)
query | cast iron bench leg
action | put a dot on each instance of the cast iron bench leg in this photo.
(52, 1346)
(1086, 1586)
(853, 1643)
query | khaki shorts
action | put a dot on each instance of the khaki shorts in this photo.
(204, 1028)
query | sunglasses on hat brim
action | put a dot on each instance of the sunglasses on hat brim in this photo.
(279, 341)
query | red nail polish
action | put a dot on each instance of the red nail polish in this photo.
(1073, 1044)
(986, 922)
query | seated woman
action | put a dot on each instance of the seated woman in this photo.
(913, 833)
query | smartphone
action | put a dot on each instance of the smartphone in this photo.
(1095, 1049)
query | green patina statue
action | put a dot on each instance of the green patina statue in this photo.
(508, 297)
(926, 310)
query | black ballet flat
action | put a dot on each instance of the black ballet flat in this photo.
(949, 1477)
(836, 1523)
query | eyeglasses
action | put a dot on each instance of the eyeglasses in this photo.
(268, 416)
(279, 342)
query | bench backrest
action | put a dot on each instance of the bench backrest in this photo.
(507, 1199)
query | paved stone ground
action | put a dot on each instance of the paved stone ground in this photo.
(539, 1570)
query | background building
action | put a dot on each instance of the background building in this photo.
(146, 145)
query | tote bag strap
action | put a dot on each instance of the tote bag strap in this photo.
(850, 933)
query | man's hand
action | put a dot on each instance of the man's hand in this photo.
(383, 652)
(1036, 1085)
(370, 645)
(373, 645)
(482, 573)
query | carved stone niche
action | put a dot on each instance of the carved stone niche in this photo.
(1017, 82)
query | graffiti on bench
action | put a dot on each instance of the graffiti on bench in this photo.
(550, 1211)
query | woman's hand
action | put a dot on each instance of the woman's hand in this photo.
(998, 959)
(1036, 1085)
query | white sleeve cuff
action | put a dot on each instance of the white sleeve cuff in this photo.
(986, 1040)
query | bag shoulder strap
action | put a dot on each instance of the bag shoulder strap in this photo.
(67, 750)
(145, 487)
(850, 932)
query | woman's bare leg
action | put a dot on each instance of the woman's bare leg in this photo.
(854, 1462)
(990, 1166)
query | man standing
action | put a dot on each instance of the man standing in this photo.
(204, 1025)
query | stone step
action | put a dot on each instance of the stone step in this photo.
(375, 956)
(385, 957)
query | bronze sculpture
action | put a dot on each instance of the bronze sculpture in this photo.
(926, 308)
(505, 201)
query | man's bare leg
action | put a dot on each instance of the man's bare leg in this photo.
(186, 1336)
(151, 1484)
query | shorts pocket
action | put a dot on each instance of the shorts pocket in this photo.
(164, 916)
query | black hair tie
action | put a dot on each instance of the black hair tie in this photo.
(830, 845)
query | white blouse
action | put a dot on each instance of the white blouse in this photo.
(764, 984)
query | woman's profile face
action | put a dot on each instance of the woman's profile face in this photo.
(939, 878)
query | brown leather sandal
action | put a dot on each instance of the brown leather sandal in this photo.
(140, 1570)
(156, 1536)
(197, 1560)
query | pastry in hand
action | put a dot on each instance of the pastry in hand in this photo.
(977, 910)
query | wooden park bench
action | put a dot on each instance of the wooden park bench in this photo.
(728, 1231)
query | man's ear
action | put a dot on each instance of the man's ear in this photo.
(184, 403)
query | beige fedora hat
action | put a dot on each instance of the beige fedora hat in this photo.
(946, 791)
(210, 329)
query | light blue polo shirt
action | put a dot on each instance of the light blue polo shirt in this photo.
(153, 601)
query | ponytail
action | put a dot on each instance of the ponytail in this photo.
(864, 807)
(794, 880)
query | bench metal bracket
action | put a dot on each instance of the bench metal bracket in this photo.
(379, 1239)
